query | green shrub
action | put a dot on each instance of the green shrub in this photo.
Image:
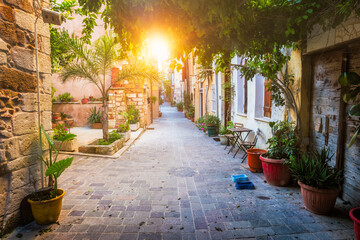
(200, 124)
(191, 111)
(285, 143)
(314, 170)
(113, 136)
(122, 128)
(180, 106)
(61, 132)
(133, 114)
(212, 120)
(66, 97)
(95, 116)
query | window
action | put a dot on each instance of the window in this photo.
(241, 91)
(213, 98)
(263, 98)
(267, 100)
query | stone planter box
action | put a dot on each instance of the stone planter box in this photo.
(68, 146)
(134, 127)
(93, 147)
(126, 135)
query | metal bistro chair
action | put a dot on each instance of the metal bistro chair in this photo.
(249, 145)
(231, 136)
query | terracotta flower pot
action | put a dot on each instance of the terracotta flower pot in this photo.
(318, 201)
(253, 159)
(84, 100)
(96, 126)
(275, 171)
(56, 115)
(355, 216)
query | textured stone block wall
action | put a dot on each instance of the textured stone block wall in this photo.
(19, 162)
(118, 103)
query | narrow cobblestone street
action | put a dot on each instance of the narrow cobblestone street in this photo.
(174, 183)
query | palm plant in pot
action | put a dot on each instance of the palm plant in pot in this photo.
(282, 146)
(319, 182)
(46, 205)
(95, 118)
(212, 124)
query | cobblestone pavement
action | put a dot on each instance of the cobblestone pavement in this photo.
(174, 183)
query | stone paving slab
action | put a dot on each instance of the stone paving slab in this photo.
(174, 183)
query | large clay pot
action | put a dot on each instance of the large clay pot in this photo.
(253, 159)
(318, 201)
(355, 216)
(47, 211)
(275, 171)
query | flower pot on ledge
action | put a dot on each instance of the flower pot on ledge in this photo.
(134, 127)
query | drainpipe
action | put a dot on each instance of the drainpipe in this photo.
(38, 102)
(217, 94)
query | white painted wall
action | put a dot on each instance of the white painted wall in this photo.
(253, 119)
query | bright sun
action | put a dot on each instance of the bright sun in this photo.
(159, 47)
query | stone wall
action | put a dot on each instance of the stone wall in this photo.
(325, 117)
(134, 95)
(19, 164)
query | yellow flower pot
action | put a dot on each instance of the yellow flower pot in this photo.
(47, 211)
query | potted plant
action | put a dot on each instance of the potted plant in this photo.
(254, 161)
(355, 216)
(91, 98)
(124, 128)
(212, 124)
(133, 117)
(66, 97)
(191, 112)
(53, 123)
(62, 132)
(282, 146)
(46, 205)
(180, 106)
(84, 100)
(95, 118)
(319, 182)
(200, 124)
(222, 131)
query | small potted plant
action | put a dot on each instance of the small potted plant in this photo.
(212, 124)
(124, 128)
(66, 97)
(46, 205)
(282, 146)
(62, 132)
(133, 118)
(84, 100)
(200, 124)
(180, 106)
(222, 131)
(319, 182)
(191, 112)
(95, 118)
(91, 98)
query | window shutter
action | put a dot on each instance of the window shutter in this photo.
(267, 100)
